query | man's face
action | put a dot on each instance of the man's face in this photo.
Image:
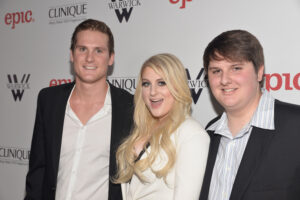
(235, 85)
(91, 57)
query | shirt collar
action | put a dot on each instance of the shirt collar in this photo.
(262, 118)
(264, 115)
(108, 96)
(107, 101)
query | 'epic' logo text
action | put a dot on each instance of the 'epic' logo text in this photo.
(18, 17)
(55, 82)
(275, 81)
(177, 1)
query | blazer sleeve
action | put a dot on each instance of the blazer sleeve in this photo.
(192, 151)
(35, 175)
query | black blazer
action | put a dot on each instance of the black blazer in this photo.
(47, 136)
(270, 167)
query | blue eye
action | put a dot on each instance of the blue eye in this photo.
(161, 83)
(145, 84)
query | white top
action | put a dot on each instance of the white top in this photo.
(184, 181)
(84, 158)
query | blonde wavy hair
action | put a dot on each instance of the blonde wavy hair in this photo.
(159, 133)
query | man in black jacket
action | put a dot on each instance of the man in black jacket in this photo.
(79, 126)
(254, 151)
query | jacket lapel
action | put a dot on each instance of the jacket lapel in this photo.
(212, 155)
(116, 128)
(254, 154)
(120, 127)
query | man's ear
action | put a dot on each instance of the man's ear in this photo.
(260, 73)
(71, 56)
(111, 59)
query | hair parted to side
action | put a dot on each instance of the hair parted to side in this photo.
(93, 25)
(234, 45)
(159, 133)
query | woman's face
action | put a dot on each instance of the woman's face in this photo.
(156, 94)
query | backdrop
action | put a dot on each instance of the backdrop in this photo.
(35, 39)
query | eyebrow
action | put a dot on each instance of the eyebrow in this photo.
(237, 63)
(102, 48)
(233, 64)
(77, 46)
(160, 79)
(213, 67)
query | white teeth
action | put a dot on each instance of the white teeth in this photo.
(156, 100)
(89, 68)
(228, 90)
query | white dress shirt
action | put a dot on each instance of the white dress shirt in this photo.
(184, 181)
(84, 158)
(231, 149)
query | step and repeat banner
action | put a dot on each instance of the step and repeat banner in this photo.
(35, 39)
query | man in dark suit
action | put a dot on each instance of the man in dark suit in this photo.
(255, 144)
(79, 126)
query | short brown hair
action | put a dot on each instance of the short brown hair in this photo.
(94, 25)
(234, 45)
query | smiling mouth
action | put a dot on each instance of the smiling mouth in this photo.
(229, 90)
(89, 68)
(156, 103)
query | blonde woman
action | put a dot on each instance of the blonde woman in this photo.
(165, 155)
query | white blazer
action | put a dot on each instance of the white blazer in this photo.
(184, 181)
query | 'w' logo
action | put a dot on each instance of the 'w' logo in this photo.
(195, 84)
(123, 8)
(125, 14)
(17, 88)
